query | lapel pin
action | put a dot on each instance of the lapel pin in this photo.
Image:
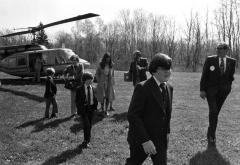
(212, 68)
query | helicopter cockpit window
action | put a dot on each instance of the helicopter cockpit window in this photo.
(12, 62)
(44, 58)
(21, 61)
(10, 51)
(20, 49)
(48, 58)
(5, 62)
(59, 59)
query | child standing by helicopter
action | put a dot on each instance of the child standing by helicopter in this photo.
(50, 94)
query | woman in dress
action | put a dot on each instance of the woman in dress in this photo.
(105, 80)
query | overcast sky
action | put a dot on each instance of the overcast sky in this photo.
(25, 13)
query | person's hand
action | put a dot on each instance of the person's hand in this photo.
(139, 67)
(149, 148)
(203, 94)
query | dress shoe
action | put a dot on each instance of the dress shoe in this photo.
(111, 109)
(212, 141)
(53, 115)
(73, 115)
(100, 113)
(86, 144)
(106, 113)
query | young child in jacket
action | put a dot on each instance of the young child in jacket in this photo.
(50, 94)
(86, 103)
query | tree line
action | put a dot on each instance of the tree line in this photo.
(188, 44)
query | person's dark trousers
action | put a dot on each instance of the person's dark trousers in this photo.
(49, 101)
(215, 98)
(87, 117)
(137, 154)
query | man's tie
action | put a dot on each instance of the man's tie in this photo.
(221, 66)
(88, 96)
(163, 88)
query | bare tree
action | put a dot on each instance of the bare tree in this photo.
(189, 33)
(14, 40)
(63, 38)
(197, 45)
(125, 34)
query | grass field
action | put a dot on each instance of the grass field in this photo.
(25, 138)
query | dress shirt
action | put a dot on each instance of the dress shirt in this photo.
(224, 61)
(91, 94)
(158, 82)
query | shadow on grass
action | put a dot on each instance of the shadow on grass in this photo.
(32, 122)
(210, 156)
(19, 81)
(64, 156)
(24, 94)
(120, 117)
(79, 126)
(27, 81)
(52, 124)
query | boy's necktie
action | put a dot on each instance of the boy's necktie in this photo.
(221, 66)
(88, 96)
(163, 88)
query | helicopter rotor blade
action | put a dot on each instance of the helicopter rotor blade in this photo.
(79, 17)
(17, 33)
(38, 28)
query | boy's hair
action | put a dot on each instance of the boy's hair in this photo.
(160, 60)
(87, 76)
(50, 71)
(74, 58)
(137, 54)
(223, 45)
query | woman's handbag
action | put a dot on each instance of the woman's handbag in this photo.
(70, 84)
(127, 77)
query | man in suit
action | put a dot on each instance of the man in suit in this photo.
(138, 69)
(149, 114)
(74, 73)
(215, 85)
(38, 67)
(86, 103)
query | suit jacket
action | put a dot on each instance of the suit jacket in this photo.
(148, 120)
(81, 100)
(136, 74)
(76, 71)
(51, 88)
(211, 76)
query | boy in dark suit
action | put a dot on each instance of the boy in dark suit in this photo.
(50, 93)
(215, 85)
(86, 103)
(149, 114)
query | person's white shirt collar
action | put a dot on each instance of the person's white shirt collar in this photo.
(91, 93)
(158, 82)
(224, 60)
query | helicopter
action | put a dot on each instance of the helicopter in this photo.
(19, 60)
